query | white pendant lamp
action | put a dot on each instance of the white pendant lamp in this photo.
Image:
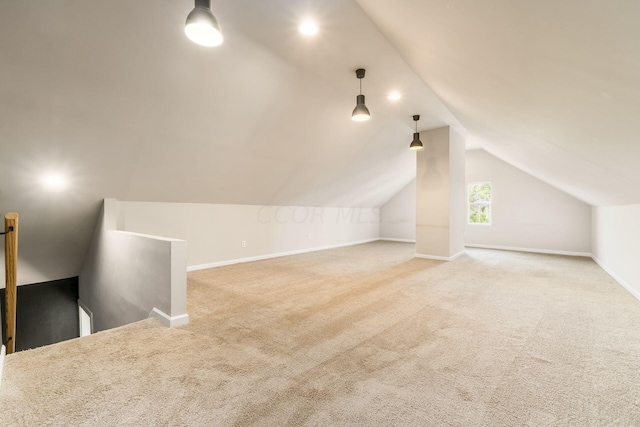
(361, 112)
(202, 27)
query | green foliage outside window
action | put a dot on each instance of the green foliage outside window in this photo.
(479, 203)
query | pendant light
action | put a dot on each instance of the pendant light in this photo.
(416, 144)
(361, 112)
(202, 27)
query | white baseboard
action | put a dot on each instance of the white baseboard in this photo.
(168, 321)
(275, 255)
(617, 278)
(516, 249)
(3, 352)
(389, 239)
(439, 258)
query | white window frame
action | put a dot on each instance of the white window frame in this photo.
(469, 184)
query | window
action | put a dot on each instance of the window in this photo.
(479, 203)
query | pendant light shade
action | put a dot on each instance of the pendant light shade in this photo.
(361, 112)
(416, 144)
(202, 27)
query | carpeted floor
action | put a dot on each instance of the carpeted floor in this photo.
(362, 336)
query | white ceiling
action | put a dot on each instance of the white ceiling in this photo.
(115, 94)
(552, 87)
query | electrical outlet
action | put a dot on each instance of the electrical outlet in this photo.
(309, 236)
(243, 243)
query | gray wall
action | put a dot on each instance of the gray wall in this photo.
(616, 243)
(55, 230)
(398, 215)
(214, 232)
(526, 212)
(126, 276)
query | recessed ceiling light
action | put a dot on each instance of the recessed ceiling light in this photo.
(54, 182)
(308, 28)
(394, 96)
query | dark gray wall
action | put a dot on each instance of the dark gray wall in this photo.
(47, 313)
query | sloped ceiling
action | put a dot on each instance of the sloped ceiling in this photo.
(552, 87)
(114, 96)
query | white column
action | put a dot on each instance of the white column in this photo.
(440, 195)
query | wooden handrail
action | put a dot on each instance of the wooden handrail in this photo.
(11, 270)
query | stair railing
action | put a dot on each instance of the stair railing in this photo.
(11, 275)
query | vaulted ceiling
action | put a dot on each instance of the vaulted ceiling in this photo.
(114, 96)
(551, 87)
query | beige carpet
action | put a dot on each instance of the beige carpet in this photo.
(361, 336)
